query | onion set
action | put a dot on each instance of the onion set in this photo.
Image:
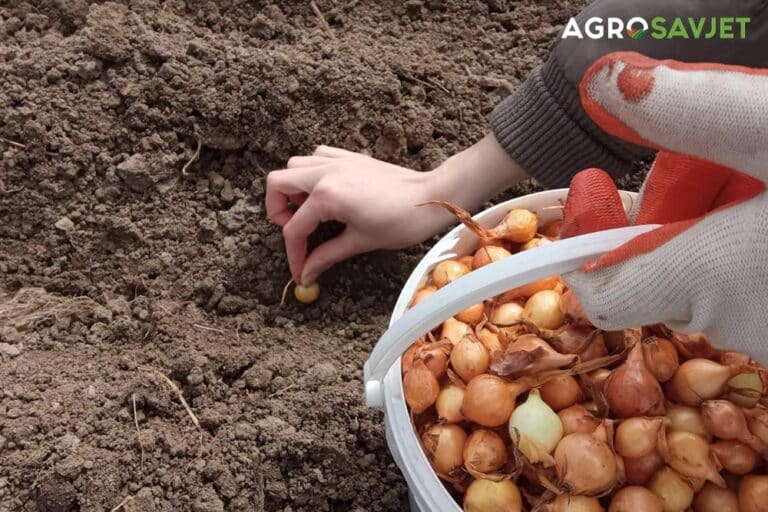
(522, 404)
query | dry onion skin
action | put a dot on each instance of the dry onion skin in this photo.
(522, 390)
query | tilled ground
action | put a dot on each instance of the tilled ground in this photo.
(117, 268)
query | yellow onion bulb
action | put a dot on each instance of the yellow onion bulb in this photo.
(484, 452)
(420, 387)
(661, 358)
(535, 427)
(454, 330)
(544, 309)
(444, 445)
(307, 294)
(519, 226)
(632, 390)
(448, 271)
(636, 437)
(422, 294)
(488, 496)
(508, 313)
(469, 358)
(690, 455)
(448, 404)
(585, 464)
(674, 492)
(534, 243)
(488, 254)
(697, 380)
(686, 419)
(561, 392)
(488, 400)
(635, 499)
(712, 498)
(472, 315)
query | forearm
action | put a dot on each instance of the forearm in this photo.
(476, 174)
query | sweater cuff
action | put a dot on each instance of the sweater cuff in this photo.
(545, 130)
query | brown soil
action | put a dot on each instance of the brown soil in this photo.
(126, 266)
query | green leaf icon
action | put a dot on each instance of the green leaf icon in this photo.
(639, 34)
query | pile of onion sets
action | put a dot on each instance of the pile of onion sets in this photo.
(521, 404)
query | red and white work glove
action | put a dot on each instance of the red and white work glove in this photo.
(706, 268)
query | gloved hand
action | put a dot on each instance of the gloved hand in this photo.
(706, 268)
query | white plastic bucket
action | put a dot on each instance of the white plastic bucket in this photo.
(383, 382)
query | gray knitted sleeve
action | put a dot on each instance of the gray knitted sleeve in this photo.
(543, 126)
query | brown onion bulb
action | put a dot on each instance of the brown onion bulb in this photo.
(636, 437)
(697, 380)
(635, 499)
(544, 310)
(434, 356)
(517, 226)
(568, 503)
(448, 404)
(466, 260)
(488, 254)
(714, 499)
(489, 400)
(454, 330)
(448, 271)
(508, 313)
(552, 229)
(638, 471)
(577, 418)
(753, 493)
(472, 315)
(689, 455)
(734, 456)
(420, 387)
(469, 358)
(528, 290)
(444, 445)
(660, 358)
(534, 243)
(674, 492)
(726, 420)
(686, 419)
(423, 294)
(561, 392)
(584, 464)
(489, 496)
(484, 452)
(632, 390)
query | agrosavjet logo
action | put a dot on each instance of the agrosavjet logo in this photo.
(658, 27)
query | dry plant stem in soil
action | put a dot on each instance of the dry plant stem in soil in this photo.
(184, 403)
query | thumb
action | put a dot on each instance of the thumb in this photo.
(338, 249)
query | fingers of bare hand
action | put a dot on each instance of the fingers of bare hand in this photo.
(344, 246)
(285, 185)
(297, 230)
(296, 162)
(332, 152)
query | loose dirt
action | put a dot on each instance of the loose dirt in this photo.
(115, 265)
